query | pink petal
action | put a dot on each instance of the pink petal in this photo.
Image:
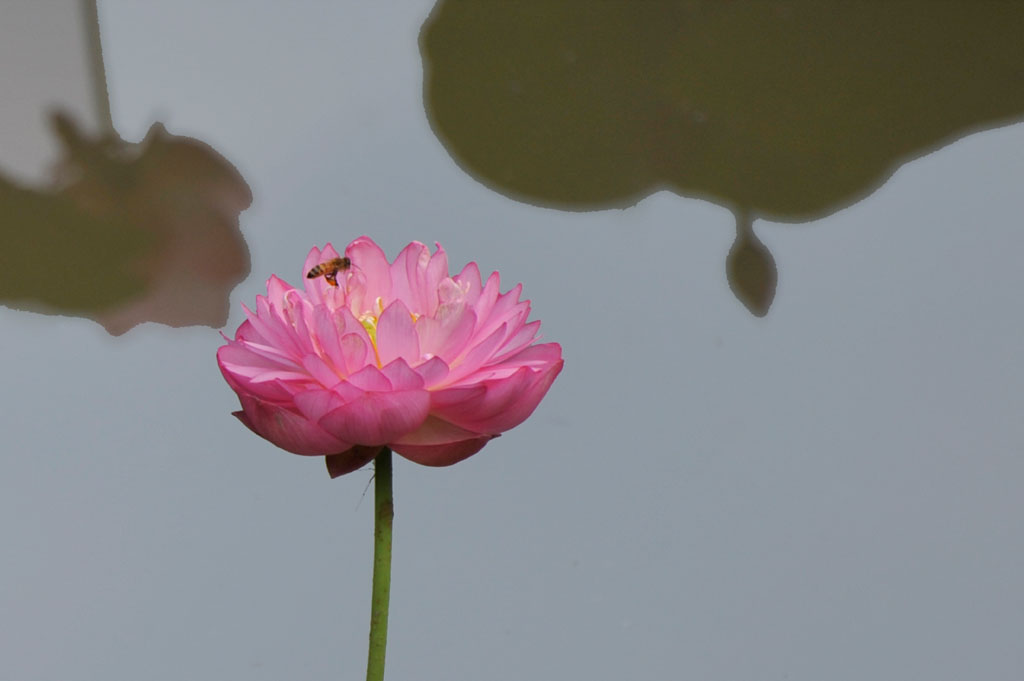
(355, 350)
(312, 260)
(249, 373)
(299, 311)
(288, 430)
(477, 355)
(537, 356)
(436, 431)
(436, 272)
(396, 335)
(371, 261)
(320, 371)
(315, 403)
(469, 280)
(247, 332)
(519, 340)
(269, 353)
(446, 334)
(251, 359)
(508, 310)
(318, 290)
(443, 455)
(401, 376)
(488, 296)
(408, 277)
(433, 371)
(276, 392)
(361, 354)
(327, 337)
(370, 378)
(504, 404)
(353, 459)
(270, 329)
(377, 418)
(277, 289)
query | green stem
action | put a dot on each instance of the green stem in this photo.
(385, 513)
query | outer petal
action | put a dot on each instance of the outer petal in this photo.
(538, 356)
(435, 431)
(503, 404)
(353, 459)
(264, 382)
(288, 430)
(376, 418)
(443, 455)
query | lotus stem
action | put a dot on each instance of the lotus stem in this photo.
(383, 519)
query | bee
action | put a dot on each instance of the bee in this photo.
(329, 270)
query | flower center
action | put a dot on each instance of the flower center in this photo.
(369, 322)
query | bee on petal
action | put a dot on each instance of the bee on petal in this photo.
(329, 270)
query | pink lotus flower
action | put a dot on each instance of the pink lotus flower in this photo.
(397, 354)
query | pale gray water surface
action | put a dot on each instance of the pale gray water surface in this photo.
(829, 492)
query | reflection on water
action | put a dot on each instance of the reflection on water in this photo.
(786, 110)
(123, 233)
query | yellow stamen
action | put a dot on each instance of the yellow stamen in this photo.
(369, 322)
